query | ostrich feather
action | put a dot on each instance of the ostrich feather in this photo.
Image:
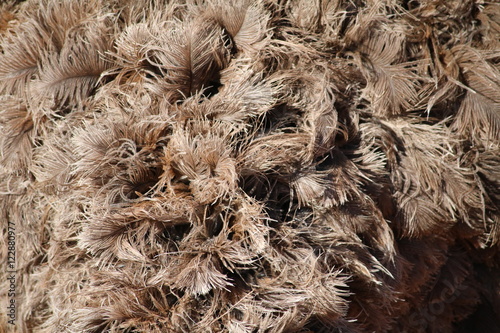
(18, 127)
(250, 165)
(245, 22)
(392, 84)
(20, 58)
(188, 58)
(7, 15)
(40, 34)
(69, 77)
(480, 108)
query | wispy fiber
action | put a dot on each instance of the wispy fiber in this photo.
(251, 165)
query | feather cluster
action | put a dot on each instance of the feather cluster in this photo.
(251, 166)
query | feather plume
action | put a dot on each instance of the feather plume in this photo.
(123, 161)
(7, 15)
(19, 60)
(40, 34)
(245, 22)
(250, 166)
(206, 163)
(392, 84)
(200, 276)
(69, 77)
(480, 108)
(18, 130)
(52, 164)
(188, 58)
(242, 96)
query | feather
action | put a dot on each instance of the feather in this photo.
(480, 108)
(52, 164)
(280, 153)
(188, 58)
(391, 84)
(131, 44)
(17, 126)
(245, 23)
(243, 94)
(478, 113)
(41, 33)
(20, 58)
(200, 275)
(7, 16)
(60, 20)
(489, 18)
(251, 166)
(69, 77)
(206, 163)
(123, 162)
(314, 94)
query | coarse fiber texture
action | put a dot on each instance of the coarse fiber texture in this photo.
(250, 166)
